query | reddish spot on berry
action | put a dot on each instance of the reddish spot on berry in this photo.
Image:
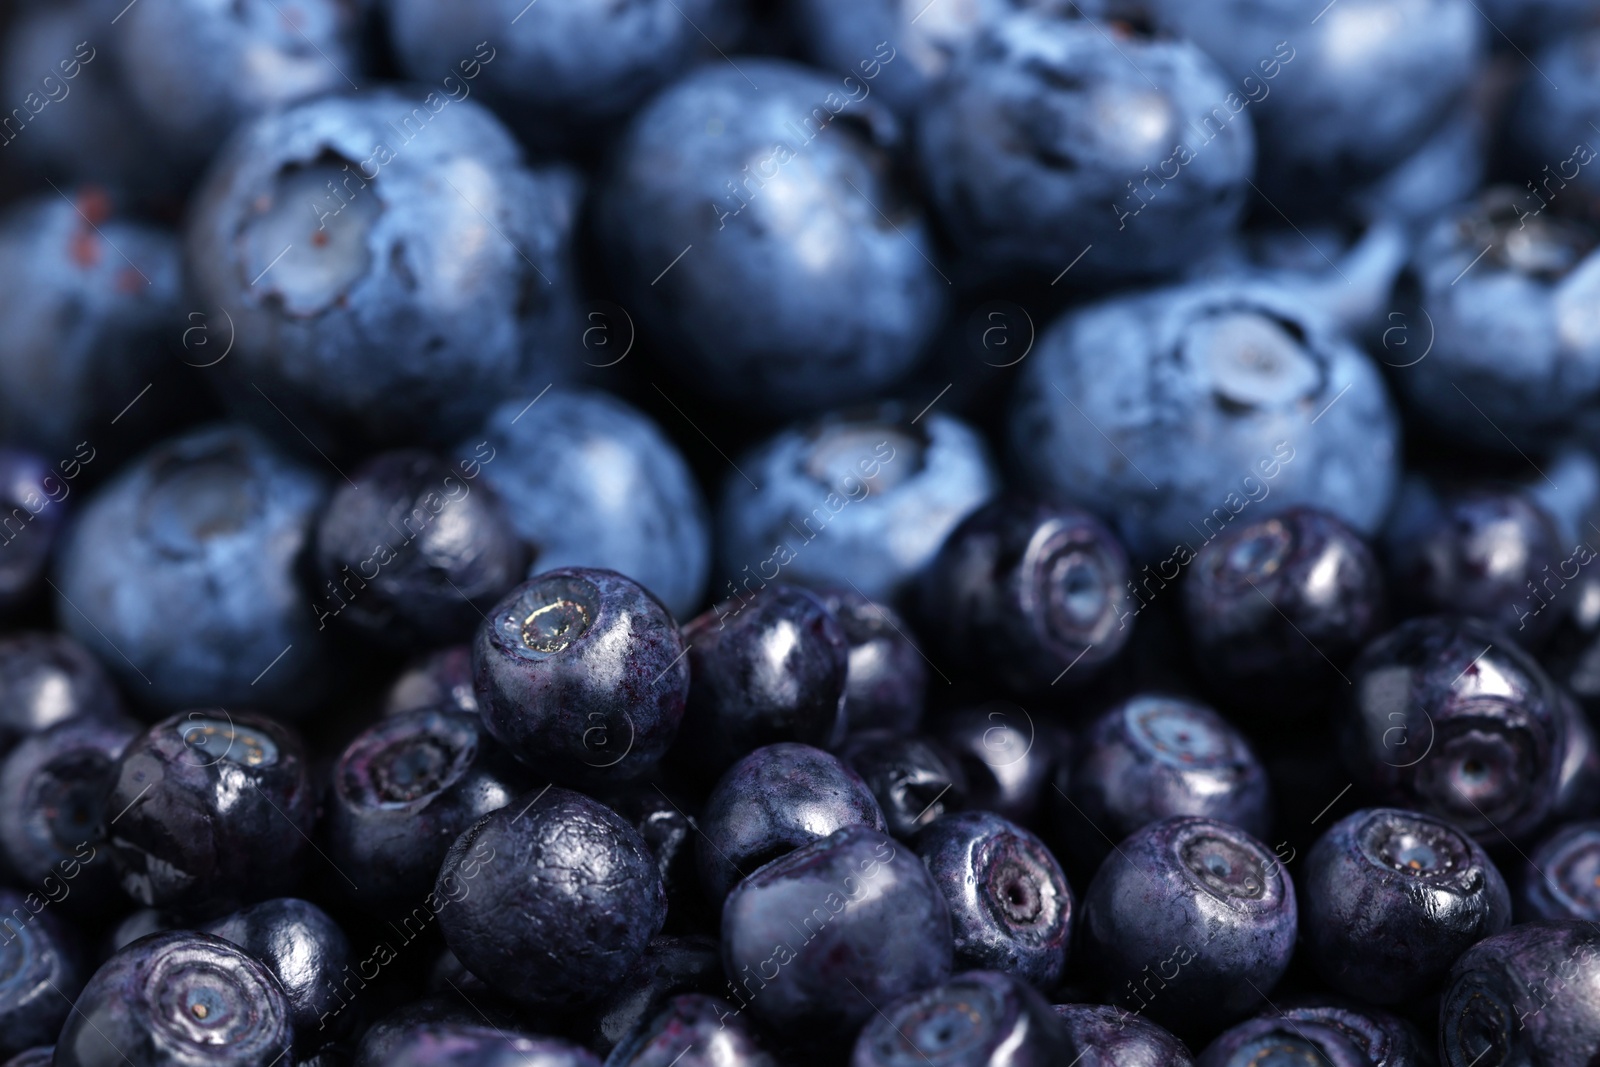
(85, 249)
(319, 238)
(94, 204)
(128, 280)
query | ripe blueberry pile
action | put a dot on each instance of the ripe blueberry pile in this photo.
(799, 533)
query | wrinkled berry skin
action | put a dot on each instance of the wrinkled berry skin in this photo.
(30, 522)
(215, 809)
(1103, 1036)
(180, 574)
(439, 678)
(479, 1044)
(52, 809)
(46, 679)
(913, 778)
(762, 672)
(671, 967)
(583, 888)
(405, 789)
(1267, 600)
(582, 674)
(1560, 878)
(1530, 995)
(888, 678)
(976, 1019)
(693, 1030)
(1010, 904)
(306, 952)
(1449, 717)
(36, 949)
(184, 998)
(854, 908)
(1191, 921)
(1269, 1040)
(1006, 755)
(1474, 551)
(1388, 1040)
(775, 800)
(440, 552)
(1390, 899)
(1152, 757)
(1030, 592)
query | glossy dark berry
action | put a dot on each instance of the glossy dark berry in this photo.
(913, 778)
(1524, 996)
(307, 953)
(670, 827)
(405, 789)
(1450, 717)
(1151, 757)
(209, 807)
(888, 677)
(40, 1056)
(1030, 592)
(671, 967)
(976, 1019)
(1475, 551)
(1560, 878)
(414, 552)
(37, 951)
(1010, 906)
(400, 1028)
(854, 909)
(53, 790)
(48, 678)
(770, 669)
(1190, 922)
(1268, 600)
(1388, 1040)
(1274, 1041)
(693, 1031)
(550, 900)
(442, 677)
(178, 998)
(582, 674)
(1578, 787)
(772, 802)
(32, 509)
(477, 1044)
(1103, 1036)
(1007, 756)
(1390, 899)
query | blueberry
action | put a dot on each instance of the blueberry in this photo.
(384, 1040)
(139, 923)
(976, 1019)
(1390, 899)
(1476, 550)
(178, 998)
(1536, 21)
(913, 778)
(180, 575)
(367, 305)
(1523, 996)
(1282, 599)
(693, 1031)
(1578, 786)
(90, 329)
(560, 73)
(861, 499)
(405, 789)
(811, 273)
(439, 678)
(773, 801)
(208, 809)
(1050, 139)
(853, 909)
(1551, 130)
(47, 679)
(478, 1045)
(305, 950)
(31, 516)
(40, 972)
(1206, 411)
(1560, 878)
(888, 677)
(1190, 922)
(1274, 1041)
(581, 673)
(1103, 1036)
(38, 1056)
(1388, 1040)
(762, 671)
(569, 898)
(1005, 755)
(1152, 757)
(1010, 905)
(672, 967)
(590, 481)
(408, 555)
(670, 832)
(1513, 359)
(1032, 592)
(52, 808)
(1450, 717)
